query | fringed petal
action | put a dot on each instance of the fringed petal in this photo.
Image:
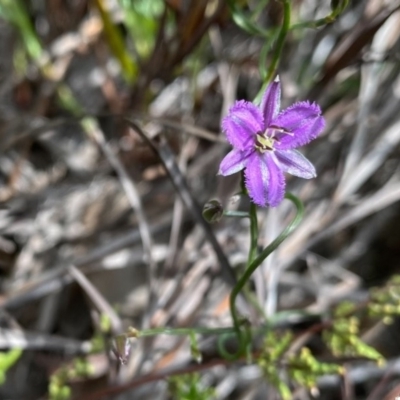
(294, 163)
(301, 123)
(233, 162)
(242, 123)
(271, 102)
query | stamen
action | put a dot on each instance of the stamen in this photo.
(281, 130)
(264, 143)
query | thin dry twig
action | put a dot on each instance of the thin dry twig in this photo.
(25, 340)
(97, 298)
(134, 200)
(166, 156)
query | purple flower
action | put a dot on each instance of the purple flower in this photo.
(264, 140)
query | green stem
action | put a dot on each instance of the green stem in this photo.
(117, 44)
(244, 22)
(280, 41)
(268, 45)
(16, 12)
(253, 233)
(236, 214)
(243, 338)
(275, 244)
(252, 215)
(183, 331)
(279, 46)
(336, 11)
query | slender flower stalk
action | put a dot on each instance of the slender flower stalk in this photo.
(264, 142)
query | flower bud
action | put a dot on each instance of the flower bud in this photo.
(213, 211)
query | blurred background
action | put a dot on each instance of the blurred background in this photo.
(97, 236)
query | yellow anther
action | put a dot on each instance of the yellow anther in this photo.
(264, 143)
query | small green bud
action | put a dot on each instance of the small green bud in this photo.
(133, 332)
(213, 211)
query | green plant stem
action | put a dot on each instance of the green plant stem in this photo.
(340, 7)
(268, 45)
(236, 214)
(252, 255)
(280, 41)
(15, 11)
(185, 331)
(245, 22)
(253, 233)
(258, 8)
(244, 337)
(278, 50)
(116, 43)
(252, 215)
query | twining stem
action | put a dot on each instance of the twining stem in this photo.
(183, 331)
(236, 214)
(244, 22)
(268, 45)
(253, 233)
(252, 215)
(279, 43)
(243, 340)
(242, 331)
(336, 11)
(278, 49)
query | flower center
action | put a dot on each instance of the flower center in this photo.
(264, 142)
